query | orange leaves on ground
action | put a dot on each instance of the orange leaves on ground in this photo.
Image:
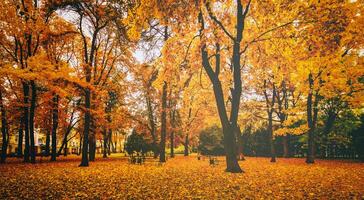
(183, 178)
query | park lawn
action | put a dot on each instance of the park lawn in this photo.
(181, 178)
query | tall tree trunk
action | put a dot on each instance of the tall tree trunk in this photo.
(105, 149)
(229, 124)
(3, 129)
(92, 146)
(186, 152)
(54, 127)
(86, 129)
(110, 143)
(271, 138)
(80, 148)
(48, 143)
(65, 151)
(152, 126)
(172, 119)
(172, 143)
(20, 138)
(310, 121)
(26, 121)
(31, 121)
(329, 123)
(232, 164)
(162, 155)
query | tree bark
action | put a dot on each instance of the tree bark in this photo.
(271, 138)
(172, 132)
(20, 138)
(26, 121)
(31, 121)
(110, 143)
(65, 150)
(54, 127)
(186, 152)
(4, 130)
(86, 129)
(229, 124)
(152, 126)
(162, 155)
(310, 121)
(105, 146)
(48, 142)
(92, 146)
(172, 144)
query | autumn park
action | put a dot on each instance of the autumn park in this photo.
(182, 99)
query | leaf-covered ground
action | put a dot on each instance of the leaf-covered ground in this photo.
(182, 178)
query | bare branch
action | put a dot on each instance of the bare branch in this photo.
(213, 17)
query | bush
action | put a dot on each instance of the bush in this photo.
(136, 143)
(211, 141)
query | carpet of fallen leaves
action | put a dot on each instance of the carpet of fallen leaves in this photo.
(182, 178)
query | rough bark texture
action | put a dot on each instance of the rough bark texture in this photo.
(54, 128)
(172, 132)
(31, 121)
(311, 123)
(26, 121)
(271, 138)
(92, 146)
(152, 126)
(65, 151)
(48, 143)
(86, 129)
(105, 149)
(172, 144)
(186, 151)
(20, 138)
(4, 130)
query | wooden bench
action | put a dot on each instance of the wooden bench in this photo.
(136, 160)
(213, 161)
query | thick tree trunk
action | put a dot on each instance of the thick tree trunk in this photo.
(232, 164)
(86, 129)
(162, 155)
(20, 138)
(31, 121)
(105, 148)
(310, 121)
(54, 127)
(329, 123)
(229, 124)
(92, 146)
(271, 138)
(152, 126)
(26, 121)
(186, 152)
(65, 150)
(3, 130)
